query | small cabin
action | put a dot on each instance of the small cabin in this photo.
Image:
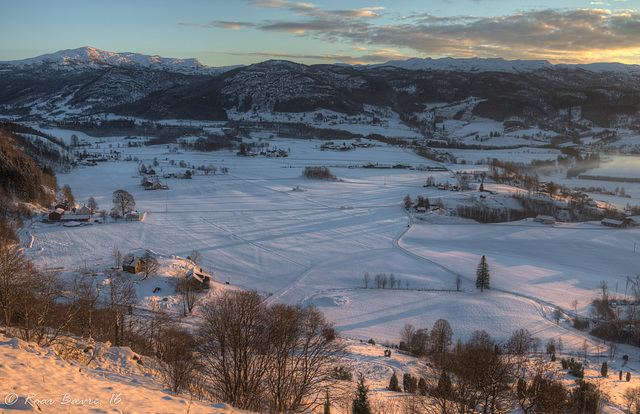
(619, 224)
(132, 216)
(613, 223)
(549, 220)
(133, 264)
(199, 278)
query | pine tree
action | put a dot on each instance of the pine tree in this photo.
(444, 388)
(604, 370)
(393, 383)
(483, 276)
(361, 401)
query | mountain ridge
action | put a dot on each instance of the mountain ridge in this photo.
(92, 57)
(88, 82)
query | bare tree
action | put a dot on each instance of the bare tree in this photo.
(195, 257)
(47, 306)
(520, 342)
(392, 281)
(150, 265)
(119, 296)
(68, 195)
(441, 335)
(378, 280)
(187, 289)
(85, 284)
(458, 283)
(12, 265)
(366, 278)
(557, 315)
(306, 349)
(176, 349)
(117, 256)
(234, 353)
(122, 202)
(92, 204)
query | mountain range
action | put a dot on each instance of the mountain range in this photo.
(88, 82)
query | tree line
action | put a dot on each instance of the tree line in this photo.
(484, 376)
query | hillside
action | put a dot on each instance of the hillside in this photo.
(90, 82)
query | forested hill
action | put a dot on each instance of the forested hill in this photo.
(23, 178)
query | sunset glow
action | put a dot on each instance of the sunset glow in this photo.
(220, 33)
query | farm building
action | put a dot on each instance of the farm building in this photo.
(540, 218)
(199, 279)
(56, 215)
(617, 223)
(75, 217)
(133, 264)
(83, 210)
(132, 216)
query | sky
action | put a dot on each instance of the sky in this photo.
(241, 32)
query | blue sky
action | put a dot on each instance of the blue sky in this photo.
(231, 32)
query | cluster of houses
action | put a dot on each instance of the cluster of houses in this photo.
(135, 263)
(620, 224)
(63, 212)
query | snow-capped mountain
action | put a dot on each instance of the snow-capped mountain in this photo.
(89, 81)
(90, 57)
(476, 65)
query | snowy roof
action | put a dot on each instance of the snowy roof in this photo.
(612, 221)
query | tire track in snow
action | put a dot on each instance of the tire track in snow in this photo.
(254, 244)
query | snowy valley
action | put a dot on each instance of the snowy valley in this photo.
(258, 224)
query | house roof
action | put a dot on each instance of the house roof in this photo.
(198, 274)
(612, 221)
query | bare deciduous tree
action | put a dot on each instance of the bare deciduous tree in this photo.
(119, 296)
(233, 351)
(187, 289)
(68, 195)
(117, 256)
(176, 349)
(150, 265)
(92, 204)
(122, 202)
(12, 265)
(306, 349)
(195, 257)
(366, 279)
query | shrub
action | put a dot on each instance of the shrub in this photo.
(342, 373)
(318, 173)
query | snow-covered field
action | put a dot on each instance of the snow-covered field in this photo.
(264, 227)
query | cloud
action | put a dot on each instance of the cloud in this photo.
(220, 25)
(561, 36)
(568, 35)
(376, 56)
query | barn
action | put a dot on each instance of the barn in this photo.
(540, 218)
(133, 264)
(56, 215)
(619, 224)
(199, 279)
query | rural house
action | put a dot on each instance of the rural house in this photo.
(133, 264)
(199, 279)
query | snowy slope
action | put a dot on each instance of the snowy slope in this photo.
(299, 241)
(92, 57)
(477, 65)
(36, 379)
